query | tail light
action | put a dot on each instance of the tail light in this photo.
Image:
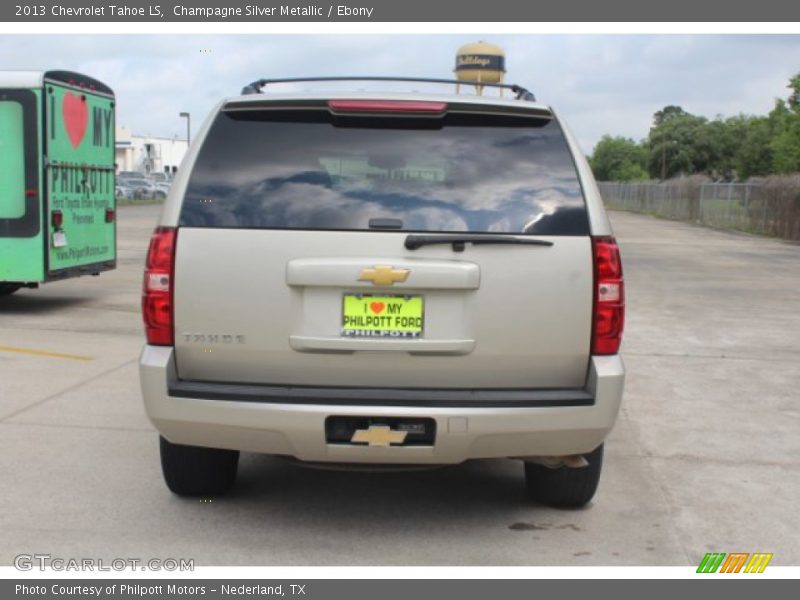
(157, 292)
(56, 219)
(379, 106)
(609, 297)
(109, 215)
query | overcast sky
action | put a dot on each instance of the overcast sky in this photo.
(599, 83)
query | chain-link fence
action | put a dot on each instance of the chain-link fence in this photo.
(769, 207)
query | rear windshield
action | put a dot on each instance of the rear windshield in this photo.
(309, 169)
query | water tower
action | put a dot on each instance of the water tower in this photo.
(478, 63)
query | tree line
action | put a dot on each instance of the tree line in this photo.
(724, 149)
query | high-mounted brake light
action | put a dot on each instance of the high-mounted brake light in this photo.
(157, 290)
(609, 297)
(377, 106)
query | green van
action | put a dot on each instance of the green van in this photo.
(57, 202)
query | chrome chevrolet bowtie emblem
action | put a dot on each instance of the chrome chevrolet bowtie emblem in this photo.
(384, 275)
(378, 435)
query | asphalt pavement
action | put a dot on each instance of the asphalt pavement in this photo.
(705, 457)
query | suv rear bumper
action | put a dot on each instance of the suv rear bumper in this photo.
(469, 423)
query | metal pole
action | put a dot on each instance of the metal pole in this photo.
(730, 203)
(188, 118)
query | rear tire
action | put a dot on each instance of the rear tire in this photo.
(196, 471)
(564, 487)
(6, 289)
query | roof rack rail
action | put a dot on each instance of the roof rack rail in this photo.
(521, 92)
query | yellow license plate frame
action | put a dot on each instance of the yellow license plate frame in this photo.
(399, 316)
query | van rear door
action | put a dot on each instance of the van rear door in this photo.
(309, 249)
(79, 137)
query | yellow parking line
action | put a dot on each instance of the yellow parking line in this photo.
(44, 353)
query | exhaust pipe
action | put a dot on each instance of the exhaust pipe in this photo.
(572, 461)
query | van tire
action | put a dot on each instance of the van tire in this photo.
(6, 289)
(196, 471)
(564, 487)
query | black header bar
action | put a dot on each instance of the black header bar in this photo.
(471, 11)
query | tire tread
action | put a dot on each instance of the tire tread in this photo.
(196, 471)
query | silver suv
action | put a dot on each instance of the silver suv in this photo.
(363, 277)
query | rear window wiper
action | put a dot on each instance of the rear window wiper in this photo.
(459, 241)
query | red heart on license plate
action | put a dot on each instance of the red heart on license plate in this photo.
(377, 307)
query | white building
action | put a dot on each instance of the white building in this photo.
(148, 154)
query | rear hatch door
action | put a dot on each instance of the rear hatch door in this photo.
(425, 245)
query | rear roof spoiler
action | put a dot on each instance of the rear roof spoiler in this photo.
(520, 93)
(265, 102)
(78, 80)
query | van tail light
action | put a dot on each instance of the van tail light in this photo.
(157, 291)
(609, 297)
(56, 219)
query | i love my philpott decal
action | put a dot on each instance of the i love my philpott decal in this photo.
(81, 125)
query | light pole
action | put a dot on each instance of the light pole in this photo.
(188, 118)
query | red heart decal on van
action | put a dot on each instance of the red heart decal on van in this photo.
(377, 307)
(76, 117)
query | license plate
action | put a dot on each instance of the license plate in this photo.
(59, 239)
(365, 315)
